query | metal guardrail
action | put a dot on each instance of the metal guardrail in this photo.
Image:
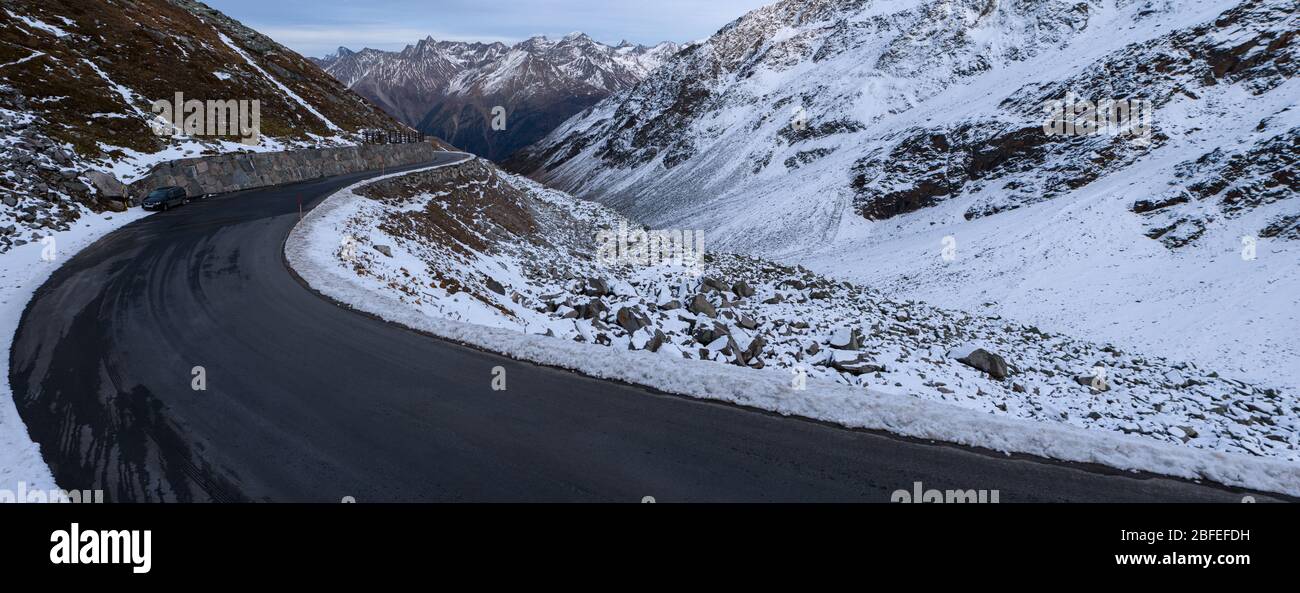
(391, 137)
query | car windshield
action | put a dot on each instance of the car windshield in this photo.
(159, 193)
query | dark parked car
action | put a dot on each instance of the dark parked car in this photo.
(164, 198)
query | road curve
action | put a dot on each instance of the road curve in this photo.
(307, 401)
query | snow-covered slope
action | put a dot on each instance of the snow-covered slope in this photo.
(863, 137)
(500, 262)
(449, 89)
(77, 84)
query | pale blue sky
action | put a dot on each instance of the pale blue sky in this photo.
(317, 27)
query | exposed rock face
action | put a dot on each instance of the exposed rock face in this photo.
(1228, 184)
(908, 106)
(449, 89)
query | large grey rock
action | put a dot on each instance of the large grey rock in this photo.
(594, 309)
(631, 319)
(106, 184)
(846, 339)
(986, 361)
(657, 341)
(714, 284)
(857, 366)
(596, 287)
(700, 305)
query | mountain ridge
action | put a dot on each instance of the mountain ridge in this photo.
(77, 86)
(450, 88)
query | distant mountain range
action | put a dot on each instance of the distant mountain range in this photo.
(449, 89)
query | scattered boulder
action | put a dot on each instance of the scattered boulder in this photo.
(742, 289)
(751, 354)
(855, 365)
(1087, 381)
(700, 305)
(747, 322)
(596, 287)
(106, 184)
(384, 249)
(846, 339)
(665, 301)
(657, 341)
(630, 319)
(594, 309)
(705, 336)
(494, 286)
(992, 364)
(712, 283)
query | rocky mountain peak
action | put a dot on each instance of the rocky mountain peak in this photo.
(449, 89)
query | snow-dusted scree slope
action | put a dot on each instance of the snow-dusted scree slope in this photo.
(861, 138)
(471, 253)
(449, 88)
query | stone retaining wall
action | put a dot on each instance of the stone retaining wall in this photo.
(237, 171)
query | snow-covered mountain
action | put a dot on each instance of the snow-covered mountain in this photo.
(449, 89)
(77, 86)
(871, 138)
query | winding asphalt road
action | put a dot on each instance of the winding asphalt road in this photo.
(307, 401)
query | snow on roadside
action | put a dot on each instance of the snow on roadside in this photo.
(313, 248)
(22, 271)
